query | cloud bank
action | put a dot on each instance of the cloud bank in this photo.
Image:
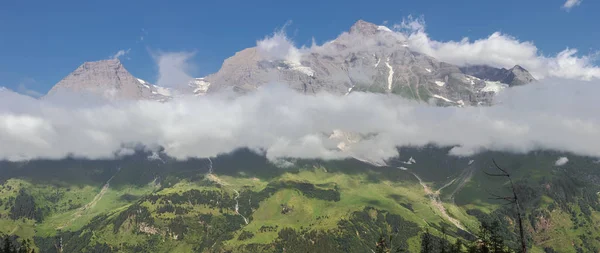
(553, 114)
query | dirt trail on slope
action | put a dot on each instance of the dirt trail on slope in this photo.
(89, 205)
(462, 180)
(437, 203)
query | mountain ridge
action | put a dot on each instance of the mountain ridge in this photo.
(368, 58)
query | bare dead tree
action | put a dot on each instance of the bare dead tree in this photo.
(513, 200)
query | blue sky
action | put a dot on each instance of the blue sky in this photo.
(43, 41)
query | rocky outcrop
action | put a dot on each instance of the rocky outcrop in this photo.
(515, 76)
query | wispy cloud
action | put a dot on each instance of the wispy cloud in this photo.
(570, 4)
(173, 68)
(561, 161)
(24, 89)
(120, 53)
(279, 47)
(143, 35)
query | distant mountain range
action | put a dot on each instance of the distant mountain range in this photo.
(367, 58)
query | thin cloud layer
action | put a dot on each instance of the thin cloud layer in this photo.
(553, 114)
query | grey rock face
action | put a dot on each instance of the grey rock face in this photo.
(368, 58)
(107, 78)
(515, 76)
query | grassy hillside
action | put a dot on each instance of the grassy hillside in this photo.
(249, 205)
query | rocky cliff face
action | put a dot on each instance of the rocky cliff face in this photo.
(515, 76)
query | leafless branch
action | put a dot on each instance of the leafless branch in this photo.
(514, 200)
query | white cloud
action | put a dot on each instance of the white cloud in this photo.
(279, 47)
(561, 161)
(570, 4)
(173, 68)
(500, 50)
(120, 53)
(554, 114)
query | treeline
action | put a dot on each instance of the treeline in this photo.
(12, 244)
(23, 206)
(489, 240)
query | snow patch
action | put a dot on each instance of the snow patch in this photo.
(443, 98)
(302, 69)
(162, 91)
(440, 83)
(391, 75)
(383, 28)
(201, 86)
(305, 70)
(428, 70)
(411, 160)
(471, 79)
(471, 162)
(402, 168)
(377, 64)
(494, 86)
(349, 90)
(561, 161)
(143, 83)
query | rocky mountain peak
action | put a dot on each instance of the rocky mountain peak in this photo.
(364, 28)
(107, 78)
(517, 68)
(110, 63)
(518, 76)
